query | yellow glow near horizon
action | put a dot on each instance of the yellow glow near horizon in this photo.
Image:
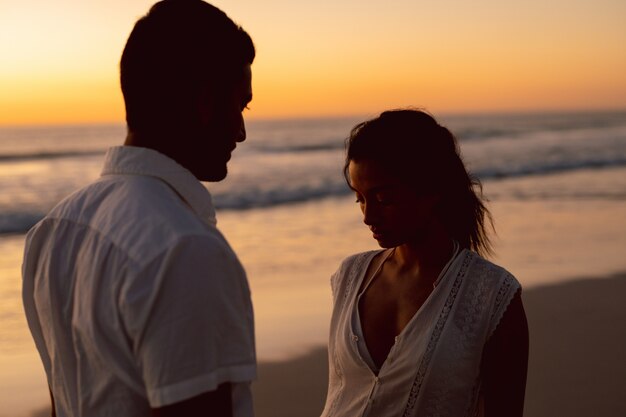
(59, 59)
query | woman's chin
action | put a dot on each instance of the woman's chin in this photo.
(385, 243)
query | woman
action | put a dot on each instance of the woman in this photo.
(425, 326)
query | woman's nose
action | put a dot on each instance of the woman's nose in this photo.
(370, 214)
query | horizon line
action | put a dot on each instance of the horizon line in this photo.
(362, 115)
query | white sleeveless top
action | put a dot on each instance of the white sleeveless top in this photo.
(433, 369)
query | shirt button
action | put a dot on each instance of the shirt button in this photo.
(376, 380)
(355, 338)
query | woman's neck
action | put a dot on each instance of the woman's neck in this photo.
(426, 256)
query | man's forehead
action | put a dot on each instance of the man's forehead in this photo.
(247, 84)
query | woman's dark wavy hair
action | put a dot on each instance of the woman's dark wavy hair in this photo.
(179, 48)
(411, 145)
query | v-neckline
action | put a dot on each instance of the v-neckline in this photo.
(355, 324)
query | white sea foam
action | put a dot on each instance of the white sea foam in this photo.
(299, 160)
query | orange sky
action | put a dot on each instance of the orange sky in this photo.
(59, 59)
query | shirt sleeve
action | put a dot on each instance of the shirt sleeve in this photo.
(507, 289)
(189, 320)
(338, 277)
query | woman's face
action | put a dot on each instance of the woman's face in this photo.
(395, 212)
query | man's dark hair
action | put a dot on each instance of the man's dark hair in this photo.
(176, 52)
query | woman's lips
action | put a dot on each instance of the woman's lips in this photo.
(378, 234)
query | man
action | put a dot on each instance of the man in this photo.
(136, 302)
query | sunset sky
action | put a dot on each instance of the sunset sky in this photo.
(58, 59)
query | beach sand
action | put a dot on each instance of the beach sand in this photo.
(578, 349)
(577, 363)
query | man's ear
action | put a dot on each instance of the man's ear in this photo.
(434, 200)
(205, 104)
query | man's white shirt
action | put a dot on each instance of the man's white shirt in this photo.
(135, 300)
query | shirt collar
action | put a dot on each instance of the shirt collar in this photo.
(133, 160)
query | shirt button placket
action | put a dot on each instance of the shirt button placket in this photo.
(370, 399)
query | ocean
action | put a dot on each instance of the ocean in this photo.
(556, 184)
(291, 161)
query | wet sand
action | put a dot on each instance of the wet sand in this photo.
(577, 363)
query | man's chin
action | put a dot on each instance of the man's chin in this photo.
(211, 175)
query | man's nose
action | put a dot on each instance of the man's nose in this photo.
(242, 132)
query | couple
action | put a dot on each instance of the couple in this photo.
(139, 307)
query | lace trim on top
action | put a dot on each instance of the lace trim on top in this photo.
(502, 297)
(434, 338)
